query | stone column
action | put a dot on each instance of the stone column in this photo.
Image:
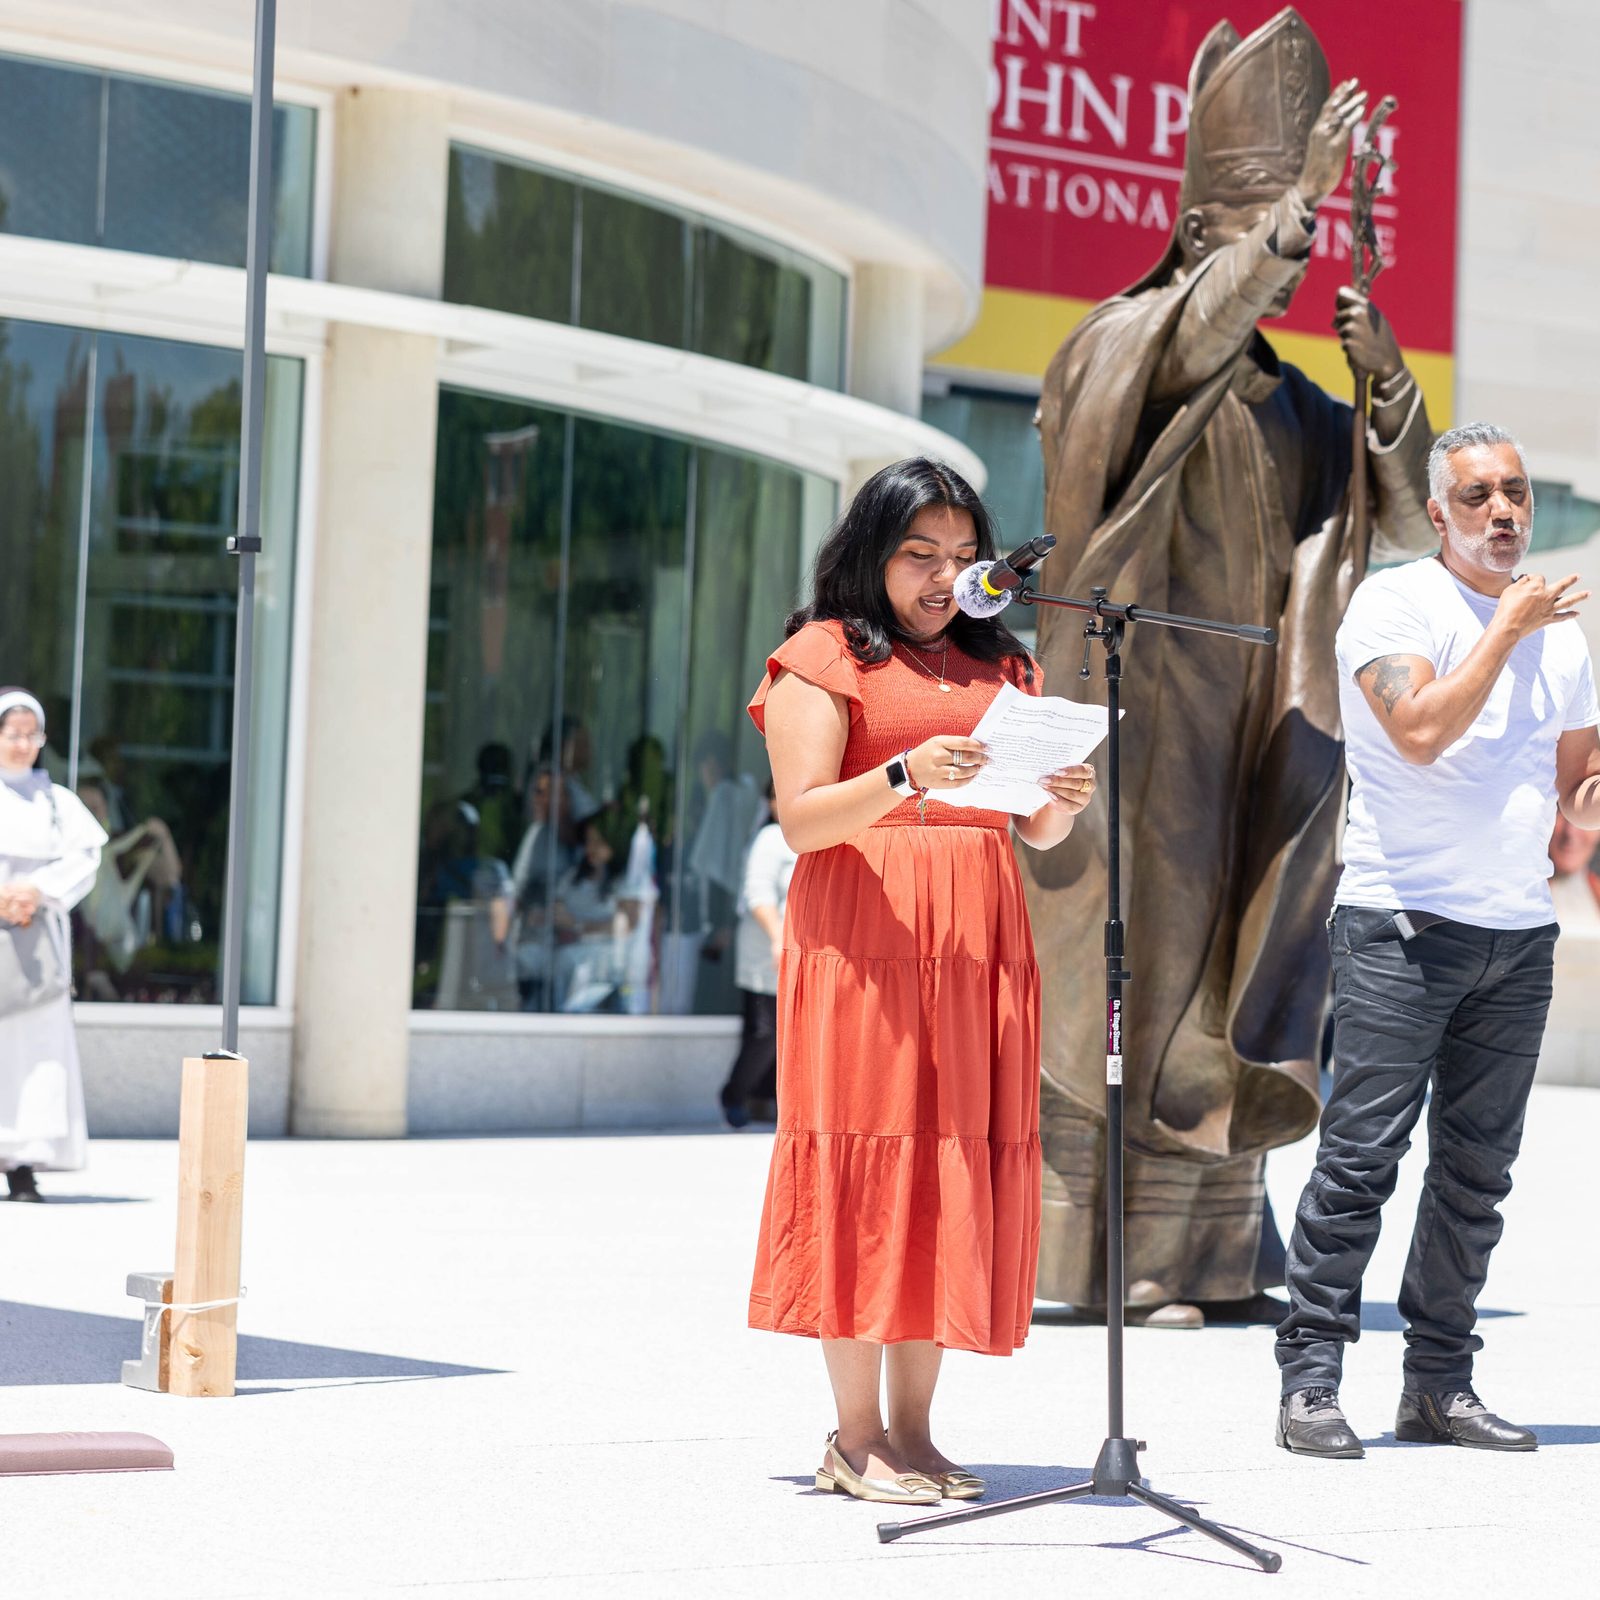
(886, 337)
(368, 622)
(885, 351)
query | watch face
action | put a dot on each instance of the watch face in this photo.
(897, 775)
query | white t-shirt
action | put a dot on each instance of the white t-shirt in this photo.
(1468, 837)
(768, 868)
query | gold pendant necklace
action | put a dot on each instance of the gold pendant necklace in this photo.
(944, 656)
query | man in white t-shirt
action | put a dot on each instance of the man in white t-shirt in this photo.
(1469, 714)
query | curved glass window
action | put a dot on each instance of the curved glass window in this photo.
(509, 234)
(132, 164)
(604, 599)
(521, 239)
(118, 605)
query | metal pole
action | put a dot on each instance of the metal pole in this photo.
(246, 542)
(1115, 976)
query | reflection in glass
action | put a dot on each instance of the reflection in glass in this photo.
(744, 586)
(634, 274)
(44, 372)
(49, 185)
(591, 779)
(489, 849)
(647, 271)
(508, 237)
(155, 654)
(754, 305)
(133, 164)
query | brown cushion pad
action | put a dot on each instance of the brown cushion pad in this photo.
(28, 1453)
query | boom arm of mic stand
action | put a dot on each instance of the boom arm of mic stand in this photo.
(1111, 610)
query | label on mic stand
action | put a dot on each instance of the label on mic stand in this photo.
(1113, 1069)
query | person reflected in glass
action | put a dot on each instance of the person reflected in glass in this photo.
(469, 897)
(542, 859)
(591, 925)
(49, 854)
(730, 809)
(639, 828)
(647, 796)
(494, 798)
(750, 1094)
(137, 894)
(578, 799)
(903, 1201)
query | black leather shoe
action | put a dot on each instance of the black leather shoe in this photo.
(20, 1182)
(1458, 1417)
(1310, 1423)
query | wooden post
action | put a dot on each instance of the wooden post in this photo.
(212, 1124)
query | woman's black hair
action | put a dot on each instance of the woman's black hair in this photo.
(848, 582)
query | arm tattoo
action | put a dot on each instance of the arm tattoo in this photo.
(1391, 680)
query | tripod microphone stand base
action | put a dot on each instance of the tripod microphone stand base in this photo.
(1116, 1477)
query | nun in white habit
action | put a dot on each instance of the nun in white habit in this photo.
(49, 854)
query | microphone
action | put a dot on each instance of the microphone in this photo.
(987, 587)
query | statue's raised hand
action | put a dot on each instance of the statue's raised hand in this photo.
(1328, 143)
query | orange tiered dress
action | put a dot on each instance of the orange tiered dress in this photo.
(903, 1197)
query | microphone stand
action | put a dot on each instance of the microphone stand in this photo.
(1116, 1471)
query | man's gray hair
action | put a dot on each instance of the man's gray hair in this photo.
(1441, 470)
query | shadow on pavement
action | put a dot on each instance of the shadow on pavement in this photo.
(45, 1345)
(1377, 1316)
(1549, 1433)
(96, 1200)
(1005, 1482)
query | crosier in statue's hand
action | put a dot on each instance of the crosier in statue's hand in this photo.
(1328, 143)
(1368, 340)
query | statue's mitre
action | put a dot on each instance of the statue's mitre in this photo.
(1251, 106)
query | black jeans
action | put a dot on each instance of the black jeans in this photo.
(1462, 1009)
(755, 1068)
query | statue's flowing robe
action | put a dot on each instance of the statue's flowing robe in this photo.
(1189, 470)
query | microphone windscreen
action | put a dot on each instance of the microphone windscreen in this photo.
(971, 596)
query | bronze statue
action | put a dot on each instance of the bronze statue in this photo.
(1187, 468)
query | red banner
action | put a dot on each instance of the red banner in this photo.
(1089, 107)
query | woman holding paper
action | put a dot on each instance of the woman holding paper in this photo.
(902, 1207)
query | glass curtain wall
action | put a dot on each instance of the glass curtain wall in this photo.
(117, 609)
(603, 602)
(101, 158)
(521, 239)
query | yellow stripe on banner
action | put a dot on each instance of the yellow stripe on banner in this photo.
(1017, 333)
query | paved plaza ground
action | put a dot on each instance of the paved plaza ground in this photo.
(518, 1367)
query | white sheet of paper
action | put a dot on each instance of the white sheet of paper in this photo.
(1027, 737)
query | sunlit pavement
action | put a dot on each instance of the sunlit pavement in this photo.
(520, 1366)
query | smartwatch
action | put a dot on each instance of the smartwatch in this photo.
(900, 776)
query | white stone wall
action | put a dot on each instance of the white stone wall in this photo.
(1528, 312)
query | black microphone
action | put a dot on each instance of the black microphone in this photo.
(987, 586)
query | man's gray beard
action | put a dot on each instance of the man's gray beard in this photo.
(1484, 553)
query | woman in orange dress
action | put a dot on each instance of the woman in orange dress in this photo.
(902, 1207)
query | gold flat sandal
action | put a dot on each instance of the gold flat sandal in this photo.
(959, 1485)
(836, 1476)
